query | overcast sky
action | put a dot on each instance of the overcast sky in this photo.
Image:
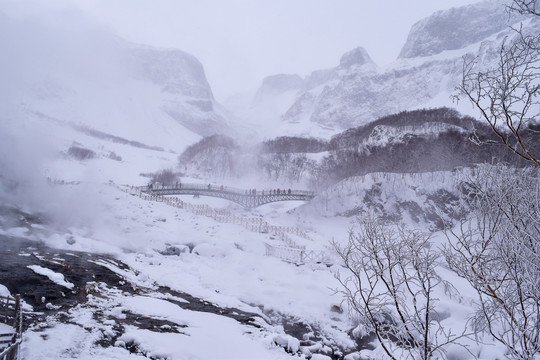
(240, 42)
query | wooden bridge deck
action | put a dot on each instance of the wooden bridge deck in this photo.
(246, 198)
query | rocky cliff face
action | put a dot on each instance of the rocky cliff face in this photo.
(455, 29)
(425, 75)
(187, 96)
(277, 92)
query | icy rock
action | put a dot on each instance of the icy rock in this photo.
(454, 29)
(281, 82)
(4, 291)
(175, 249)
(208, 250)
(320, 357)
(288, 342)
(50, 306)
(358, 56)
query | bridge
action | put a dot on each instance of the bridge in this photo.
(247, 198)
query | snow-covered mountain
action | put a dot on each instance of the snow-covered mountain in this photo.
(425, 75)
(81, 74)
(455, 29)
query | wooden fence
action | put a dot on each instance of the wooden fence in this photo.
(11, 315)
(300, 256)
(293, 252)
(255, 224)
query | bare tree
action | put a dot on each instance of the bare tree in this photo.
(498, 252)
(508, 95)
(525, 7)
(390, 284)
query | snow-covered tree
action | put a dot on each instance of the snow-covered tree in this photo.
(389, 283)
(497, 251)
(508, 94)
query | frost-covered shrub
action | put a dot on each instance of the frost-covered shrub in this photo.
(114, 156)
(80, 153)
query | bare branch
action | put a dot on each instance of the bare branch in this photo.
(390, 284)
(498, 253)
(508, 95)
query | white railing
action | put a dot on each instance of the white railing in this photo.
(300, 256)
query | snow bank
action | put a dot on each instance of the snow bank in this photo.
(55, 277)
(4, 291)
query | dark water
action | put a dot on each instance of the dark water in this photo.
(37, 290)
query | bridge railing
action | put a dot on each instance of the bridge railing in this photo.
(226, 189)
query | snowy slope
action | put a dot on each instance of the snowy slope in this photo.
(223, 264)
(85, 76)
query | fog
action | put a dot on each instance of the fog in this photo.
(43, 67)
(59, 57)
(240, 42)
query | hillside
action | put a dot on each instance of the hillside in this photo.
(158, 97)
(416, 141)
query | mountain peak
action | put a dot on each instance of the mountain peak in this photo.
(357, 56)
(454, 29)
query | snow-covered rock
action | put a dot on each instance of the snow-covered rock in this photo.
(383, 135)
(55, 277)
(421, 200)
(281, 82)
(358, 56)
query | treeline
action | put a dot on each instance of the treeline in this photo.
(209, 142)
(294, 144)
(464, 143)
(445, 151)
(352, 137)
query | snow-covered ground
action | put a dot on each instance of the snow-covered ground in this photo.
(90, 207)
(222, 263)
